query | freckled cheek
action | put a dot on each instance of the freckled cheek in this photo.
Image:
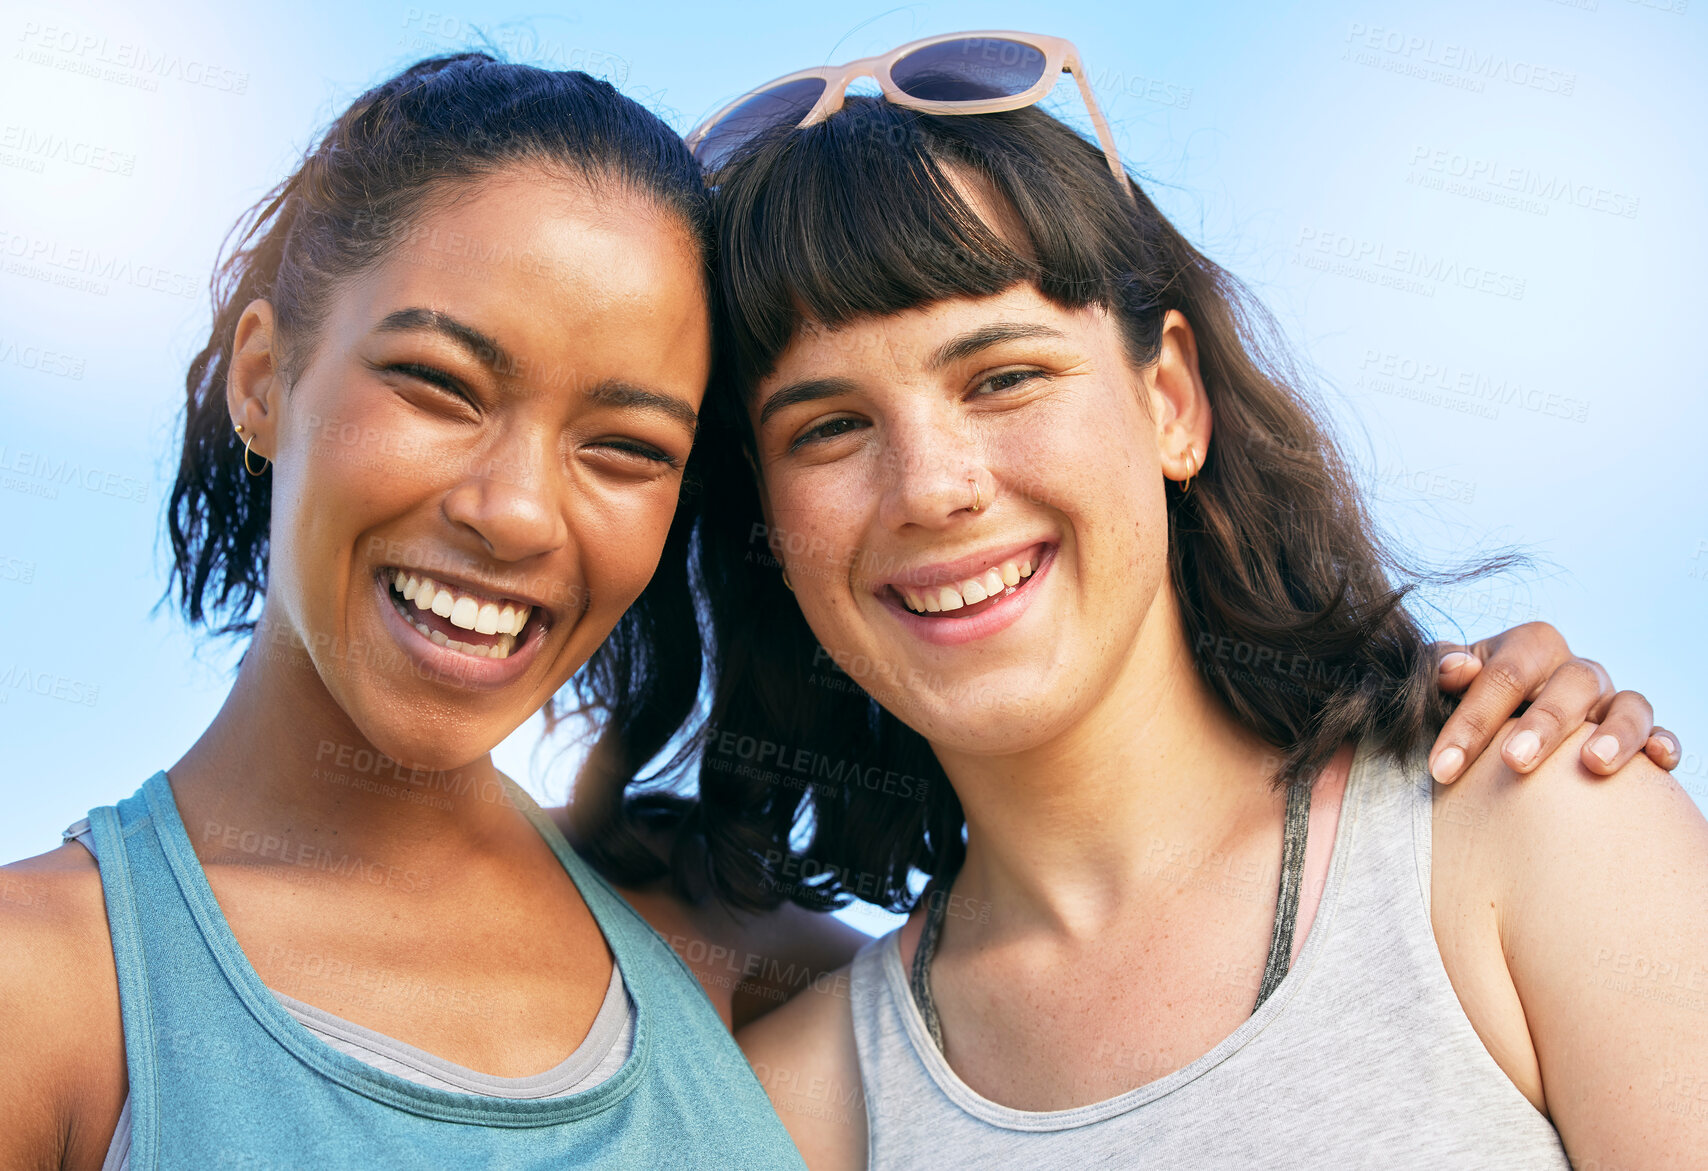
(817, 530)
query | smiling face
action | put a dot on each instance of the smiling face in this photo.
(476, 467)
(987, 629)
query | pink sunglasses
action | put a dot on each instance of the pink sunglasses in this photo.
(957, 73)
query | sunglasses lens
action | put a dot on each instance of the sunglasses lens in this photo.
(969, 69)
(787, 103)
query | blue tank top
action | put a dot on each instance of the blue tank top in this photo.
(221, 1075)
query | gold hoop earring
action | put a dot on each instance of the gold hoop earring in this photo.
(247, 440)
(975, 484)
(787, 582)
(1191, 470)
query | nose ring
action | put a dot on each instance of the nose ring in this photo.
(975, 485)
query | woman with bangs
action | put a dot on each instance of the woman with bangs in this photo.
(1039, 485)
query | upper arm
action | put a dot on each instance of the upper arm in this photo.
(62, 1065)
(1601, 904)
(805, 1056)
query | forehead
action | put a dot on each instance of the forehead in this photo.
(912, 338)
(586, 274)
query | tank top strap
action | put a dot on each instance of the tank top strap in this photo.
(222, 1074)
(110, 828)
(1366, 1019)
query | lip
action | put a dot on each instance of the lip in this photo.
(997, 616)
(944, 573)
(443, 665)
(480, 589)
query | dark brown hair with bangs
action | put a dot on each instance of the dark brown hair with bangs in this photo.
(1286, 591)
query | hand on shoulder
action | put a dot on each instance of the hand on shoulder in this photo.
(1596, 894)
(62, 1060)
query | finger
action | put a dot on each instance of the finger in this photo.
(1621, 735)
(1535, 648)
(1455, 667)
(1493, 695)
(1571, 693)
(1663, 748)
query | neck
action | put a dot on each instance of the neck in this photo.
(1063, 834)
(283, 756)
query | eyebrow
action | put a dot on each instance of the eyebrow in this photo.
(953, 350)
(986, 336)
(810, 390)
(614, 392)
(610, 392)
(468, 337)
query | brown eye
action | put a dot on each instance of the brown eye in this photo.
(1007, 380)
(829, 429)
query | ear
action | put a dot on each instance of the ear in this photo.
(1180, 408)
(254, 385)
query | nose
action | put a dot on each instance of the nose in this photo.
(932, 473)
(513, 501)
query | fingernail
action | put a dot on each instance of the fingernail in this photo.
(1667, 743)
(1448, 764)
(1604, 748)
(1524, 747)
(1456, 660)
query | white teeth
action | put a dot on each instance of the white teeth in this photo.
(463, 613)
(507, 620)
(521, 619)
(487, 621)
(409, 588)
(988, 584)
(499, 650)
(397, 580)
(424, 594)
(442, 602)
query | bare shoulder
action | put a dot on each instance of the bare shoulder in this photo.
(1592, 895)
(748, 962)
(62, 1064)
(805, 1056)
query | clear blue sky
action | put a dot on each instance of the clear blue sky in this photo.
(1479, 224)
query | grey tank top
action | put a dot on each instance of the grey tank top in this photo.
(601, 1053)
(1360, 1057)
